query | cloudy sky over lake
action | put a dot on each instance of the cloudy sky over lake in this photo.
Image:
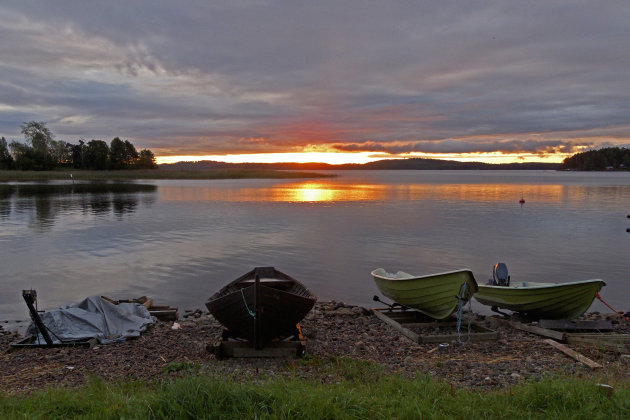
(519, 78)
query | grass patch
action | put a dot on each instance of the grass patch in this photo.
(181, 367)
(353, 390)
(155, 174)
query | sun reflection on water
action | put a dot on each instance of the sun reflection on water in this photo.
(339, 190)
(320, 191)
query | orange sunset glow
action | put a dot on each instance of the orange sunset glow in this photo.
(337, 158)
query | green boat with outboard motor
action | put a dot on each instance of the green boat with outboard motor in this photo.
(435, 295)
(538, 300)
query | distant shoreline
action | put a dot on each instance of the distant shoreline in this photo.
(386, 164)
(222, 173)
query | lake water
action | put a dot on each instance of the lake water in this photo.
(180, 241)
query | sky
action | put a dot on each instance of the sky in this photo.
(337, 81)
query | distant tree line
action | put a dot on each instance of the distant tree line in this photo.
(608, 158)
(41, 151)
(385, 164)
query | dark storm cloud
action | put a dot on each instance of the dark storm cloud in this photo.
(534, 146)
(201, 77)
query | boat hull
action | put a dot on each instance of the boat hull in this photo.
(542, 300)
(282, 303)
(435, 295)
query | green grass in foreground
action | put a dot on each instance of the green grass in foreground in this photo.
(362, 391)
(155, 174)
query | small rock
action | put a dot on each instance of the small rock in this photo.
(515, 375)
(605, 389)
(357, 311)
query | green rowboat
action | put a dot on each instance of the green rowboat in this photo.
(435, 295)
(542, 300)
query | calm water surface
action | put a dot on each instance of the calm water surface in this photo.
(179, 241)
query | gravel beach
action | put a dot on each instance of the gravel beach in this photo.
(331, 329)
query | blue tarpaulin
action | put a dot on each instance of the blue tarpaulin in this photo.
(94, 317)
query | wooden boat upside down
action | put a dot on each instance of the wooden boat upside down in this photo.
(261, 305)
(435, 295)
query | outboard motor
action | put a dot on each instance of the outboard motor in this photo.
(500, 275)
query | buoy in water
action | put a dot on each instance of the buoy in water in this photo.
(522, 200)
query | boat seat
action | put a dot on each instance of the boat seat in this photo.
(500, 276)
(283, 284)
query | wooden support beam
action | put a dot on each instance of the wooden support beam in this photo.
(405, 331)
(563, 324)
(165, 314)
(556, 335)
(112, 301)
(441, 324)
(478, 332)
(239, 349)
(574, 354)
(619, 343)
(618, 338)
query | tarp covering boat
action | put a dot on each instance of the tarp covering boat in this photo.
(94, 317)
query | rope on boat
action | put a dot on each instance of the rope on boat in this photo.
(611, 308)
(461, 298)
(251, 313)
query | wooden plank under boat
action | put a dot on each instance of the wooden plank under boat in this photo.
(542, 300)
(261, 305)
(435, 295)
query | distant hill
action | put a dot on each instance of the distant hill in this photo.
(608, 158)
(386, 164)
(421, 163)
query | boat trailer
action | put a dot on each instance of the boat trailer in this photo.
(421, 329)
(291, 347)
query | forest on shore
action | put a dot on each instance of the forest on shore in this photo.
(605, 159)
(41, 152)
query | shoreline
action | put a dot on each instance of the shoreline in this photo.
(156, 174)
(332, 330)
